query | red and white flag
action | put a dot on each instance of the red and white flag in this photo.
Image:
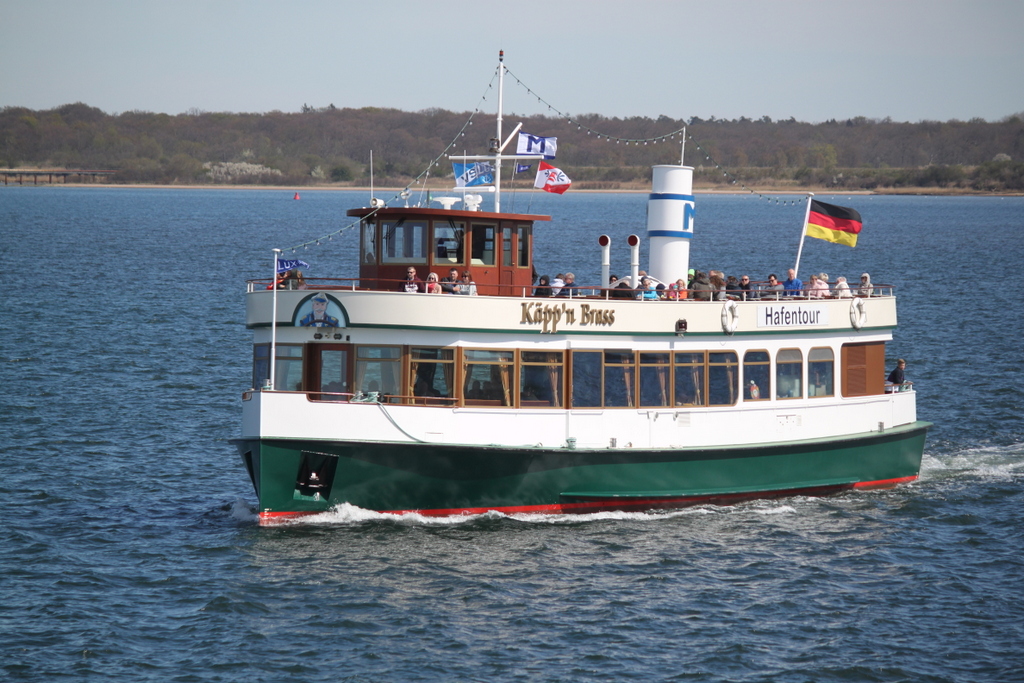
(551, 179)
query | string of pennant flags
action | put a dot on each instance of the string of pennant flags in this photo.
(680, 133)
(422, 177)
(666, 137)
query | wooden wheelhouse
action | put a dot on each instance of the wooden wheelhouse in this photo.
(496, 248)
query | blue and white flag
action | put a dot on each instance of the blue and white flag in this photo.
(523, 168)
(533, 144)
(478, 173)
(283, 265)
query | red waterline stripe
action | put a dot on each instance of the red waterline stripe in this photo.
(884, 483)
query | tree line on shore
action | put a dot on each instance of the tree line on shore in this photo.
(329, 145)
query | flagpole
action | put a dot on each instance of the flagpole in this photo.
(273, 324)
(803, 234)
(497, 160)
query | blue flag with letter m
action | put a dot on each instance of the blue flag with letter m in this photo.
(534, 144)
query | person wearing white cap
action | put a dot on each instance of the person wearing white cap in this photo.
(865, 289)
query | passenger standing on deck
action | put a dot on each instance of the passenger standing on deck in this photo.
(817, 289)
(701, 287)
(467, 286)
(412, 283)
(866, 288)
(647, 290)
(897, 377)
(556, 284)
(732, 288)
(568, 286)
(748, 290)
(774, 288)
(792, 285)
(450, 284)
(433, 284)
(717, 283)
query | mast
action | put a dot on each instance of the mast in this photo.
(497, 152)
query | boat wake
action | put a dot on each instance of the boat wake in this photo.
(984, 462)
(347, 514)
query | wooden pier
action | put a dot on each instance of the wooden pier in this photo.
(20, 174)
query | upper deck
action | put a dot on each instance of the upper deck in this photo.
(588, 311)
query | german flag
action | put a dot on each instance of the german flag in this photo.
(833, 223)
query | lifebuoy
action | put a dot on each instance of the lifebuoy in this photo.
(730, 317)
(858, 314)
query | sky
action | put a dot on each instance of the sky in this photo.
(910, 60)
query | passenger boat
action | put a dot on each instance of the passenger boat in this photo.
(398, 401)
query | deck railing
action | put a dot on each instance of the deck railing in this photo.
(575, 292)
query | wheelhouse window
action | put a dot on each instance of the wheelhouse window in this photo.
(655, 371)
(432, 375)
(506, 246)
(369, 241)
(483, 245)
(287, 368)
(404, 241)
(821, 368)
(789, 368)
(524, 246)
(757, 376)
(450, 243)
(540, 379)
(723, 378)
(619, 379)
(488, 377)
(378, 369)
(586, 379)
(690, 373)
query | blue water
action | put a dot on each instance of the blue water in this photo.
(129, 545)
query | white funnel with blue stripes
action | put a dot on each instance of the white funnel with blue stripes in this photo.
(670, 211)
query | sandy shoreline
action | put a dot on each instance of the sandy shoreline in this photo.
(387, 192)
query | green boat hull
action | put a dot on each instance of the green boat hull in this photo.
(295, 477)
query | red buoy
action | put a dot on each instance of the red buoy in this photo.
(296, 195)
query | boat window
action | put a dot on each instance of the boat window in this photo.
(789, 369)
(378, 369)
(655, 370)
(404, 241)
(287, 368)
(369, 241)
(488, 377)
(333, 375)
(723, 378)
(619, 379)
(506, 246)
(757, 376)
(260, 365)
(449, 243)
(821, 368)
(483, 245)
(689, 379)
(431, 375)
(524, 246)
(540, 379)
(586, 379)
